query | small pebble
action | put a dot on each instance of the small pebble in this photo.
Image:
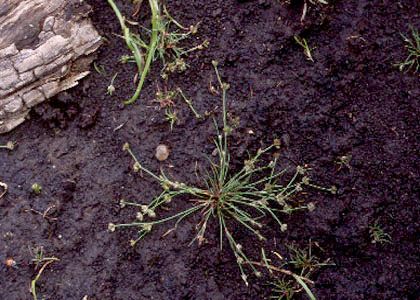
(162, 152)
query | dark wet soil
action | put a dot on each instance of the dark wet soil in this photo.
(350, 102)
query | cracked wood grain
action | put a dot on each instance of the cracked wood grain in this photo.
(46, 46)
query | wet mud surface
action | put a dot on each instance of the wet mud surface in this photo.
(350, 102)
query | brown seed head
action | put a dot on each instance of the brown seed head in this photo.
(10, 262)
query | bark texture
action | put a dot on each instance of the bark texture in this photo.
(46, 47)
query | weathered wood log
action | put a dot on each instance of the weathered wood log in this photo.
(46, 46)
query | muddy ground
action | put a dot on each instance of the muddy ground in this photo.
(351, 101)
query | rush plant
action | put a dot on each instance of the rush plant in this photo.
(294, 275)
(167, 99)
(163, 44)
(41, 263)
(378, 234)
(306, 49)
(412, 44)
(246, 198)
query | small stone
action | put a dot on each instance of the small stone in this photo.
(162, 152)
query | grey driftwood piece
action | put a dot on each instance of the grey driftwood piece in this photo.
(46, 47)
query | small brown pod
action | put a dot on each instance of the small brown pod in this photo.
(10, 262)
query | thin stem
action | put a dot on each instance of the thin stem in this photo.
(180, 214)
(154, 6)
(128, 37)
